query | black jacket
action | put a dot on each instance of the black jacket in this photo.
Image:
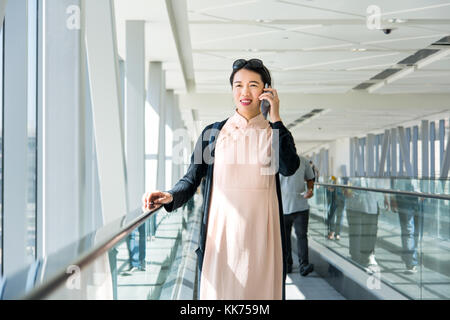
(185, 188)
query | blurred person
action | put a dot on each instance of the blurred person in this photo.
(242, 253)
(362, 215)
(331, 208)
(136, 251)
(411, 222)
(296, 212)
(336, 207)
(315, 170)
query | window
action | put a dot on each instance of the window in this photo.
(169, 151)
(151, 145)
(32, 129)
(1, 148)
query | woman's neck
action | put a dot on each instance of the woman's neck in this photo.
(248, 114)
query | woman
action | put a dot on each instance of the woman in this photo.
(242, 245)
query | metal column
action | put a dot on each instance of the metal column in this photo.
(384, 155)
(415, 152)
(134, 111)
(370, 170)
(404, 151)
(156, 97)
(424, 137)
(102, 59)
(445, 166)
(441, 141)
(394, 172)
(432, 149)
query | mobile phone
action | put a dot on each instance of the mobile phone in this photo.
(265, 105)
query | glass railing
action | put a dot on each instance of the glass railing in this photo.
(399, 236)
(438, 217)
(426, 185)
(125, 260)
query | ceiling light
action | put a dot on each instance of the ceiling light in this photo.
(376, 86)
(400, 74)
(434, 57)
(307, 117)
(263, 20)
(358, 49)
(396, 20)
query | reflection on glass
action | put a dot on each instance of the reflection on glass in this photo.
(400, 239)
(156, 263)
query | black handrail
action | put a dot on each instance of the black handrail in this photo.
(59, 279)
(405, 193)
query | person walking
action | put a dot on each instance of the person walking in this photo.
(411, 222)
(336, 207)
(362, 215)
(296, 212)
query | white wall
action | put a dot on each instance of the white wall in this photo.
(339, 155)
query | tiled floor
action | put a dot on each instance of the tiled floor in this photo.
(311, 287)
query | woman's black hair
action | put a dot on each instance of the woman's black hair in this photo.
(262, 71)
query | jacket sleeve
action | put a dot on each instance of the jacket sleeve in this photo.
(289, 160)
(185, 188)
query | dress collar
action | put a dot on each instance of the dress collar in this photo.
(256, 122)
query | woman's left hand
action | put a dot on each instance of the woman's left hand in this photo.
(271, 95)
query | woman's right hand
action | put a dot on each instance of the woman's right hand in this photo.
(154, 200)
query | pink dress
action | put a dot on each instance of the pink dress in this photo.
(243, 255)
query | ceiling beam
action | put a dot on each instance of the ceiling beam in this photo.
(410, 69)
(323, 22)
(177, 12)
(349, 48)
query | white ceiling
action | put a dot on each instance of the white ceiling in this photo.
(309, 46)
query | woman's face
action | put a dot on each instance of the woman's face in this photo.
(247, 87)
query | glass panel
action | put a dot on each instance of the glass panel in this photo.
(32, 129)
(401, 239)
(151, 129)
(150, 173)
(168, 173)
(1, 149)
(141, 267)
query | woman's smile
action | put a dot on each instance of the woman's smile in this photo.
(246, 102)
